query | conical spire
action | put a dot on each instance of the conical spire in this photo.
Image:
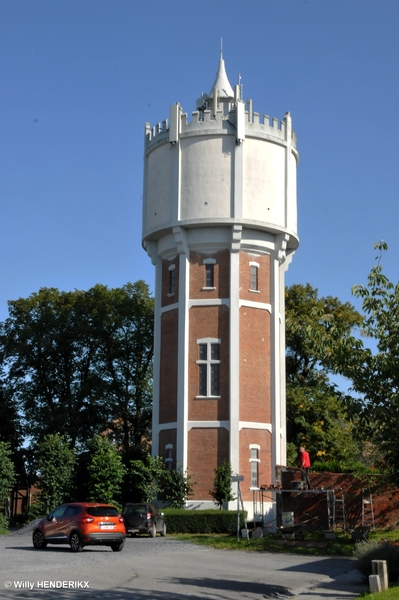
(222, 82)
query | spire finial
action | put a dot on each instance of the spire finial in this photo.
(221, 82)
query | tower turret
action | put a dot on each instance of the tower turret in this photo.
(220, 226)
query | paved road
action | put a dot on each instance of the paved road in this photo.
(166, 569)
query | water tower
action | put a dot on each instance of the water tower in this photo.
(220, 226)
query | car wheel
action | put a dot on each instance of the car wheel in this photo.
(117, 547)
(163, 530)
(75, 542)
(38, 540)
(153, 531)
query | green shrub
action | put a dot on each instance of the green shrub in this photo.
(336, 466)
(201, 521)
(3, 522)
(367, 551)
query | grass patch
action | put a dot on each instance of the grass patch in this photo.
(391, 594)
(313, 544)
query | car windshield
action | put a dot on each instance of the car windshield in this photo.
(141, 509)
(102, 511)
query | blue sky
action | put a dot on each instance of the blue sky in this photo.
(79, 79)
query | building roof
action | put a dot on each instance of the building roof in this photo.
(222, 82)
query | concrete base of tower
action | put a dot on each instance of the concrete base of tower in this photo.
(262, 515)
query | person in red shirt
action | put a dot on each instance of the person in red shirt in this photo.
(304, 463)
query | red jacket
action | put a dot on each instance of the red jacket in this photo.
(304, 460)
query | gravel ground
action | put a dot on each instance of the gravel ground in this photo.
(162, 568)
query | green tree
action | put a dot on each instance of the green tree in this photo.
(80, 362)
(148, 475)
(375, 373)
(55, 463)
(105, 471)
(178, 487)
(7, 480)
(10, 425)
(319, 334)
(125, 363)
(221, 491)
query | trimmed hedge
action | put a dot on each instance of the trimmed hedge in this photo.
(180, 520)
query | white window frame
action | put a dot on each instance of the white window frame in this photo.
(255, 265)
(254, 461)
(209, 261)
(209, 361)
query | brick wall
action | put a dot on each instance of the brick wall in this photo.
(167, 436)
(254, 365)
(261, 437)
(213, 322)
(221, 275)
(207, 449)
(314, 506)
(263, 293)
(168, 368)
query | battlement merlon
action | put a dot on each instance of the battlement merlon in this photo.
(239, 122)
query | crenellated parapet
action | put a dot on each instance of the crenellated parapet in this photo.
(208, 122)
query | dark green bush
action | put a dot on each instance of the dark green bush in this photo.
(367, 551)
(336, 466)
(201, 521)
(3, 521)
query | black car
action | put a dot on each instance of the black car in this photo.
(144, 518)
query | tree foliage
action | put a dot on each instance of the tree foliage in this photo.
(319, 333)
(375, 373)
(178, 487)
(7, 472)
(105, 471)
(221, 491)
(80, 362)
(55, 463)
(148, 475)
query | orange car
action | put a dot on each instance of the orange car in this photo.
(81, 524)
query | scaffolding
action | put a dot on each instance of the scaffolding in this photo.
(335, 504)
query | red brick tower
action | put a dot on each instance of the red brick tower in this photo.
(219, 223)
